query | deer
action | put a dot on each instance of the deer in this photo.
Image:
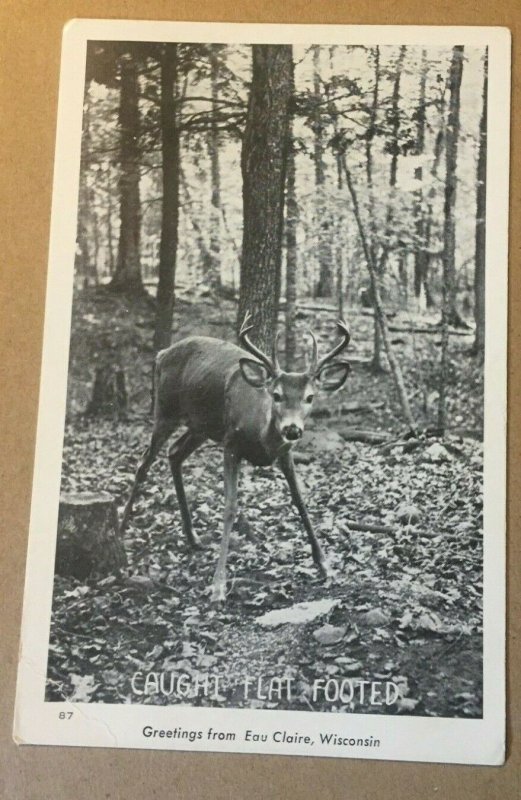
(240, 398)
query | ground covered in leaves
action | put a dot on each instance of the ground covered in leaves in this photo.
(400, 522)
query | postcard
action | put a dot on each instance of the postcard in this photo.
(268, 509)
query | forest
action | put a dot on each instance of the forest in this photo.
(302, 185)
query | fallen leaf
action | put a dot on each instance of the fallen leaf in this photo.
(375, 617)
(329, 634)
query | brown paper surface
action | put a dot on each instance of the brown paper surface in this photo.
(30, 34)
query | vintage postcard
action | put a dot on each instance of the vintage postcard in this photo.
(268, 511)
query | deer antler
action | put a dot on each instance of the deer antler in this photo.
(246, 327)
(315, 364)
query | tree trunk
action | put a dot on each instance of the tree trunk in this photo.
(325, 285)
(371, 132)
(421, 258)
(170, 148)
(264, 162)
(83, 262)
(291, 260)
(339, 242)
(190, 215)
(449, 314)
(481, 203)
(377, 362)
(94, 226)
(87, 541)
(439, 144)
(127, 277)
(394, 147)
(378, 305)
(395, 129)
(109, 393)
(451, 163)
(340, 274)
(110, 236)
(214, 274)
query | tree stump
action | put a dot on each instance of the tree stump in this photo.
(109, 393)
(88, 543)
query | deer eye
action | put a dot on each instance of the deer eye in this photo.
(309, 398)
(277, 397)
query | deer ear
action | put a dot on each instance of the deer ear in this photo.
(254, 373)
(333, 376)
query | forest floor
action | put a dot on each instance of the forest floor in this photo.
(404, 603)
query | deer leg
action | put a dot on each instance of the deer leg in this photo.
(177, 453)
(288, 468)
(159, 437)
(231, 478)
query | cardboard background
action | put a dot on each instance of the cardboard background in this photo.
(29, 69)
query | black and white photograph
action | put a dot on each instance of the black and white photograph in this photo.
(285, 337)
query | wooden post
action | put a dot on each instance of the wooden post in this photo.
(88, 543)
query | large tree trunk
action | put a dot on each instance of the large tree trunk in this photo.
(449, 314)
(170, 146)
(87, 541)
(481, 203)
(326, 284)
(127, 277)
(264, 161)
(214, 274)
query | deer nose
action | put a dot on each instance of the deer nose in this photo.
(292, 432)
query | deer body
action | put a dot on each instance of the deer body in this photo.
(250, 406)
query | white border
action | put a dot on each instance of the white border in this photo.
(402, 738)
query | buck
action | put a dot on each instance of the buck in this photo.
(256, 410)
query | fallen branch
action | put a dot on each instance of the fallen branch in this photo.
(310, 307)
(431, 329)
(365, 436)
(369, 527)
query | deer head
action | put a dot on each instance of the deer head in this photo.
(292, 393)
